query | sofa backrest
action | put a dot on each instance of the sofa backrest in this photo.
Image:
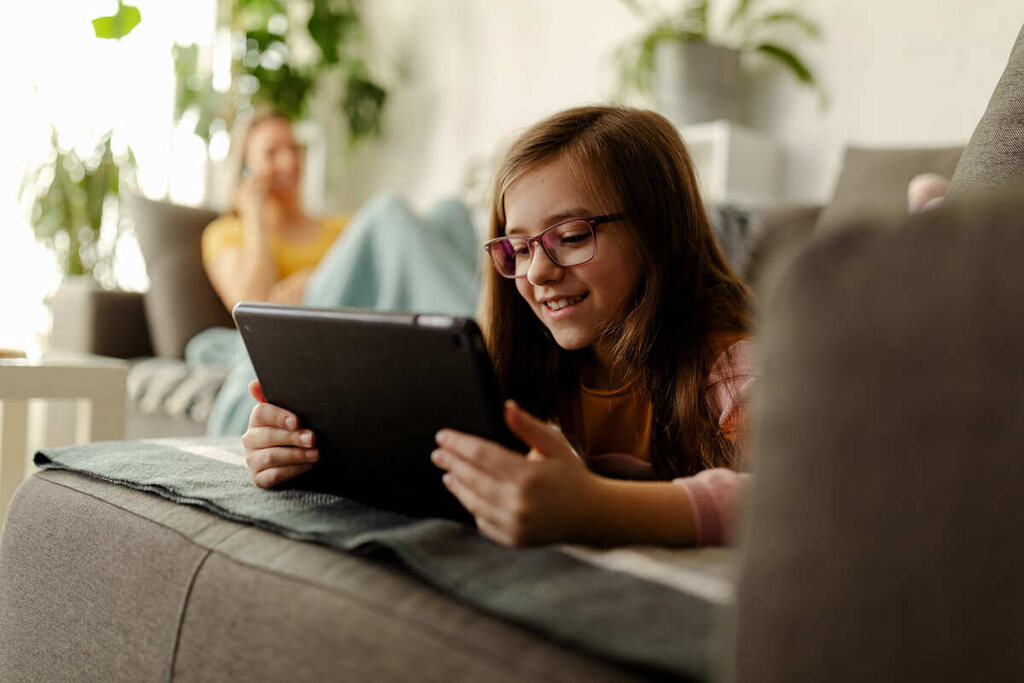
(882, 533)
(181, 301)
(995, 153)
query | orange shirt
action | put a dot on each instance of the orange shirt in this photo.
(619, 420)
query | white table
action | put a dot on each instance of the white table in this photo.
(97, 385)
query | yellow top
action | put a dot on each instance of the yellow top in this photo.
(290, 257)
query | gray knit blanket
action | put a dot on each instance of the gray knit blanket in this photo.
(645, 608)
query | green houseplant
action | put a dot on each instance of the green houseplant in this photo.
(266, 68)
(73, 197)
(686, 53)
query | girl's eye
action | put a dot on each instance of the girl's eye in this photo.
(574, 237)
(520, 249)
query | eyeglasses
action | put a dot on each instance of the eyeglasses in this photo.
(569, 243)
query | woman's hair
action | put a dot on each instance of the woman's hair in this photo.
(687, 303)
(241, 132)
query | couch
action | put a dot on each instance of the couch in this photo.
(879, 540)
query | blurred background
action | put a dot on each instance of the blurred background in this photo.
(417, 97)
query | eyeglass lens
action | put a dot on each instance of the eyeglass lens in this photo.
(568, 244)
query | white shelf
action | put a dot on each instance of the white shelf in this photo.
(735, 164)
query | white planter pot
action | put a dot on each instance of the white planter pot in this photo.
(696, 82)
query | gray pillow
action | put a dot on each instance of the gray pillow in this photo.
(995, 153)
(882, 532)
(181, 301)
(873, 182)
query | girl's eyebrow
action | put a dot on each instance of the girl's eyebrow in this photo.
(554, 218)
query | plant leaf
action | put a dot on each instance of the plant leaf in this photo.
(741, 9)
(118, 25)
(331, 28)
(792, 17)
(790, 60)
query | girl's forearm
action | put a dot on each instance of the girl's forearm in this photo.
(625, 512)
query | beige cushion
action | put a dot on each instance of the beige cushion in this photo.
(995, 154)
(873, 182)
(883, 528)
(181, 301)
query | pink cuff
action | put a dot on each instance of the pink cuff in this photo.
(715, 495)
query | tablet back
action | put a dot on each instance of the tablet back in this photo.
(375, 388)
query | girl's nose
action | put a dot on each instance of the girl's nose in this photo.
(542, 268)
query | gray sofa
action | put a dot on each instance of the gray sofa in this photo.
(880, 538)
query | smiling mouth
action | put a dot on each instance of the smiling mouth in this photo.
(558, 304)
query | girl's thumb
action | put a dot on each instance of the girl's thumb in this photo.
(534, 433)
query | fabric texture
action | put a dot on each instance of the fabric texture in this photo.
(226, 232)
(880, 536)
(995, 153)
(572, 601)
(388, 259)
(873, 182)
(181, 301)
(164, 386)
(101, 582)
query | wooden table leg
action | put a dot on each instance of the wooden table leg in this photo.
(13, 428)
(98, 421)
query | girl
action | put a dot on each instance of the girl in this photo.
(610, 309)
(268, 248)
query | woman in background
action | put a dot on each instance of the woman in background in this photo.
(268, 247)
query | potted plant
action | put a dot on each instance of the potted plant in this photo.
(76, 208)
(692, 64)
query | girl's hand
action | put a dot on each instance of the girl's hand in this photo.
(276, 450)
(545, 497)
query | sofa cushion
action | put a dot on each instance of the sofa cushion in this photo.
(882, 532)
(995, 154)
(873, 182)
(215, 600)
(181, 301)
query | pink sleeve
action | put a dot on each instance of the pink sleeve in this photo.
(715, 495)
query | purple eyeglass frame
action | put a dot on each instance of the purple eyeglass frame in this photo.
(539, 239)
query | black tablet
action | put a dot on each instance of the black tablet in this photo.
(375, 388)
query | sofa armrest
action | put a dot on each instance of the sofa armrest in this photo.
(88, 319)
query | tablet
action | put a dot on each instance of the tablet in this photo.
(375, 388)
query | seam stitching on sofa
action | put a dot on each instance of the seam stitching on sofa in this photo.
(181, 612)
(355, 597)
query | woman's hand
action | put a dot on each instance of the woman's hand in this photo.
(276, 450)
(546, 497)
(252, 195)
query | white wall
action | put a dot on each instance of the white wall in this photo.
(468, 74)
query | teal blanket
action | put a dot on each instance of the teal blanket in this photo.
(643, 608)
(389, 259)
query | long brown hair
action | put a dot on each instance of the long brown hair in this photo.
(685, 303)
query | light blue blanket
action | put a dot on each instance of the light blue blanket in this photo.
(388, 259)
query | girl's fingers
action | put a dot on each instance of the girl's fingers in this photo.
(485, 455)
(256, 438)
(273, 476)
(256, 391)
(494, 532)
(269, 415)
(477, 505)
(480, 481)
(268, 458)
(536, 434)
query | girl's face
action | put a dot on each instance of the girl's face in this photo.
(272, 151)
(577, 303)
